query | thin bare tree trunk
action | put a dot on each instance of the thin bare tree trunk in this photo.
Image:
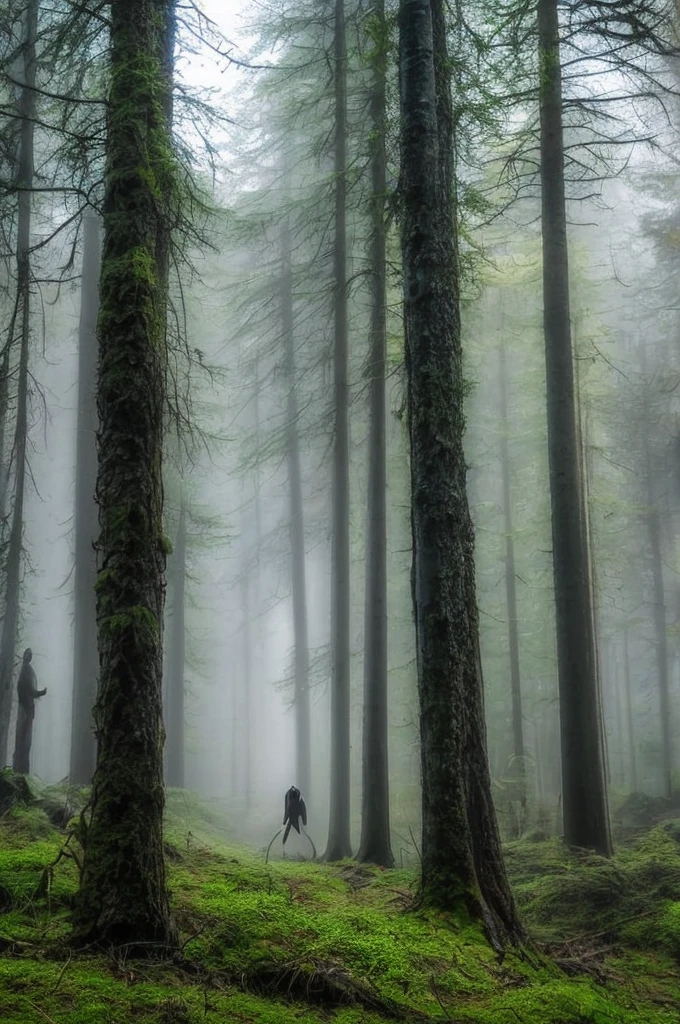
(176, 657)
(8, 635)
(653, 523)
(297, 529)
(247, 678)
(586, 820)
(585, 474)
(85, 654)
(375, 845)
(339, 844)
(518, 768)
(4, 412)
(632, 765)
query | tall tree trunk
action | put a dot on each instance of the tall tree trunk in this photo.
(585, 475)
(123, 898)
(586, 821)
(618, 716)
(246, 662)
(653, 523)
(538, 759)
(27, 110)
(375, 845)
(258, 637)
(297, 529)
(461, 861)
(339, 844)
(518, 771)
(630, 730)
(234, 782)
(176, 656)
(85, 654)
(4, 412)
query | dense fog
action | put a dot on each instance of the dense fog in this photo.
(264, 240)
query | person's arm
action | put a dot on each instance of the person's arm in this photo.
(285, 810)
(35, 692)
(303, 812)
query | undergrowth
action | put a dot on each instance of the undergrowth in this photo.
(282, 942)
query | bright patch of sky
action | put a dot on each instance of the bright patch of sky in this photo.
(233, 18)
(223, 77)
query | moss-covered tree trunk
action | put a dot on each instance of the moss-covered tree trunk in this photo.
(123, 897)
(339, 843)
(462, 867)
(21, 322)
(374, 845)
(85, 656)
(584, 799)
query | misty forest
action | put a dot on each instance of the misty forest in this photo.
(340, 511)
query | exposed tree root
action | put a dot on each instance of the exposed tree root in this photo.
(578, 958)
(318, 983)
(326, 983)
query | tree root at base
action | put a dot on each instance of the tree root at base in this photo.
(319, 983)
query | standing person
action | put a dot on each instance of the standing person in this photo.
(28, 693)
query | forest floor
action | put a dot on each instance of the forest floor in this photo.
(288, 942)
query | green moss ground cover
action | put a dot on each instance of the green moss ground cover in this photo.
(283, 942)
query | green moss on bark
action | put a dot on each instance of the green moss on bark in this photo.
(123, 898)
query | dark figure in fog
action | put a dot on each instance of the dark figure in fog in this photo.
(295, 814)
(28, 693)
(294, 810)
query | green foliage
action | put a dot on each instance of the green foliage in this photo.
(138, 619)
(287, 942)
(630, 897)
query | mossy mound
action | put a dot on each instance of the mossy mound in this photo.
(14, 791)
(563, 895)
(292, 942)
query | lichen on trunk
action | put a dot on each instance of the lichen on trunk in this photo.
(123, 898)
(462, 870)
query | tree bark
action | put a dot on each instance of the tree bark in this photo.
(4, 413)
(339, 844)
(618, 716)
(247, 670)
(375, 846)
(176, 658)
(630, 730)
(518, 767)
(461, 861)
(585, 474)
(85, 655)
(653, 523)
(27, 109)
(123, 898)
(234, 782)
(586, 822)
(297, 529)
